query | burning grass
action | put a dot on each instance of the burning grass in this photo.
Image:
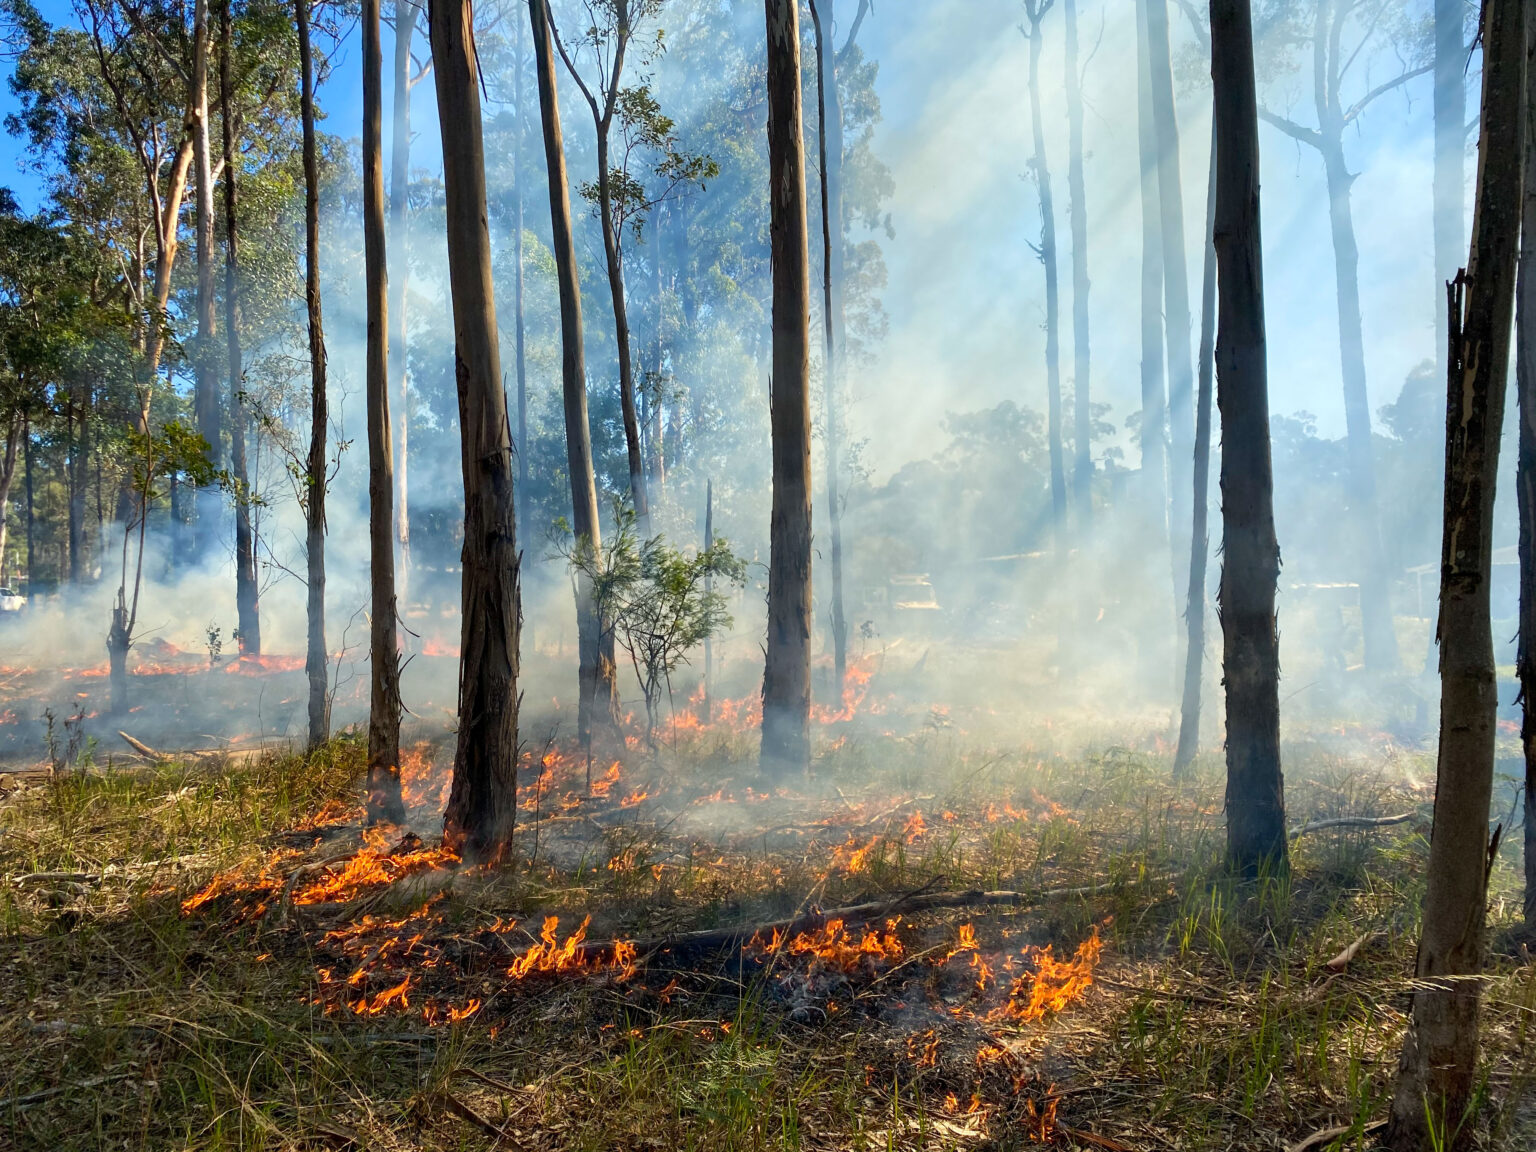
(219, 956)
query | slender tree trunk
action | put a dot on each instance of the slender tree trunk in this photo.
(1170, 200)
(26, 463)
(1370, 560)
(1035, 10)
(598, 707)
(615, 262)
(525, 521)
(247, 606)
(1433, 1102)
(1077, 212)
(1525, 485)
(1154, 412)
(78, 457)
(167, 226)
(830, 136)
(7, 476)
(399, 233)
(384, 799)
(709, 587)
(1199, 538)
(205, 399)
(1250, 643)
(315, 656)
(1449, 188)
(482, 804)
(786, 744)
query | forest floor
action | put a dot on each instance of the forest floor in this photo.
(215, 953)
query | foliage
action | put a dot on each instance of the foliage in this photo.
(659, 602)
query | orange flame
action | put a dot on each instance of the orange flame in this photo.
(1054, 985)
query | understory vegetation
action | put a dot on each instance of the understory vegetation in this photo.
(194, 958)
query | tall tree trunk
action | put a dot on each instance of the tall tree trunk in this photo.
(315, 656)
(1370, 560)
(709, 587)
(7, 476)
(399, 233)
(1035, 10)
(525, 521)
(1432, 1104)
(598, 671)
(1170, 198)
(1077, 212)
(830, 136)
(1449, 187)
(384, 800)
(786, 743)
(1525, 485)
(78, 458)
(614, 257)
(1199, 537)
(482, 804)
(1154, 411)
(247, 606)
(205, 399)
(1250, 643)
(26, 464)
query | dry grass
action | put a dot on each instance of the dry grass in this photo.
(1214, 1021)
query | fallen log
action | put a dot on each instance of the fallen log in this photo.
(1350, 822)
(142, 748)
(714, 939)
(1341, 961)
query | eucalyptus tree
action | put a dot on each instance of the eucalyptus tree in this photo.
(316, 658)
(1343, 38)
(786, 742)
(1034, 12)
(482, 804)
(597, 672)
(621, 196)
(1255, 801)
(1437, 1089)
(384, 801)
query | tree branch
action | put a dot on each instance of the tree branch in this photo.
(1360, 105)
(1292, 129)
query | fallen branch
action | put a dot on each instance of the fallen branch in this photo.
(1341, 961)
(142, 748)
(715, 939)
(1351, 822)
(1318, 1139)
(1082, 1135)
(464, 1112)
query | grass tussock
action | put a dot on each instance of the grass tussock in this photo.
(259, 1021)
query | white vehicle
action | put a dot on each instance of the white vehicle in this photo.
(11, 600)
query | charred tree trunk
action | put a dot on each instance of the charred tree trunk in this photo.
(1434, 1096)
(1250, 644)
(384, 800)
(1199, 538)
(315, 657)
(1170, 199)
(247, 606)
(205, 399)
(786, 742)
(830, 136)
(1449, 190)
(482, 804)
(1035, 10)
(1082, 413)
(1154, 411)
(399, 225)
(598, 707)
(1525, 487)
